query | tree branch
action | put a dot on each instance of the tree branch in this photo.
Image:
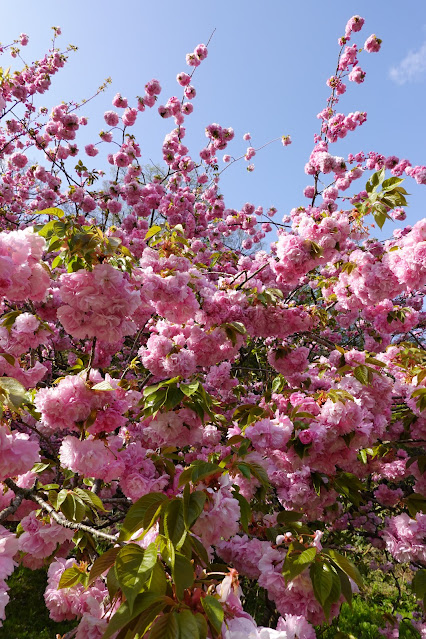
(6, 512)
(31, 494)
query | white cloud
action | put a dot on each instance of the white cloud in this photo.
(412, 68)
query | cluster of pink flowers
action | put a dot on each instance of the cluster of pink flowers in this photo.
(290, 627)
(178, 350)
(91, 458)
(18, 453)
(22, 275)
(404, 538)
(409, 262)
(40, 538)
(98, 303)
(8, 548)
(220, 519)
(289, 362)
(74, 602)
(72, 401)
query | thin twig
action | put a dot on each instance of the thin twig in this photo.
(251, 276)
(92, 357)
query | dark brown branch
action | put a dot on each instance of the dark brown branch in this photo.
(6, 512)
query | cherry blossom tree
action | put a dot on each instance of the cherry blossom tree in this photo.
(184, 422)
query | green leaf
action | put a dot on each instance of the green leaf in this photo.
(419, 583)
(53, 210)
(193, 506)
(157, 582)
(377, 178)
(391, 183)
(188, 626)
(375, 361)
(124, 615)
(238, 327)
(335, 592)
(149, 390)
(199, 549)
(152, 231)
(61, 497)
(70, 577)
(54, 244)
(103, 386)
(57, 261)
(186, 548)
(73, 508)
(322, 581)
(168, 553)
(361, 374)
(152, 515)
(102, 563)
(296, 562)
(174, 397)
(174, 524)
(189, 389)
(245, 510)
(349, 486)
(197, 471)
(183, 574)
(214, 612)
(16, 393)
(155, 401)
(288, 517)
(80, 540)
(202, 625)
(53, 227)
(89, 498)
(244, 469)
(415, 503)
(39, 467)
(345, 586)
(380, 215)
(260, 473)
(165, 627)
(363, 455)
(134, 518)
(247, 414)
(134, 566)
(112, 582)
(277, 384)
(345, 565)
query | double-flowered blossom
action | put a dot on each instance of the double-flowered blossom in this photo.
(408, 263)
(41, 538)
(8, 548)
(75, 602)
(405, 537)
(98, 303)
(220, 519)
(18, 453)
(22, 275)
(73, 401)
(92, 457)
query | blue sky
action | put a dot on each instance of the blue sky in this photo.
(266, 71)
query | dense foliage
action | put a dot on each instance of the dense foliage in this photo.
(189, 428)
